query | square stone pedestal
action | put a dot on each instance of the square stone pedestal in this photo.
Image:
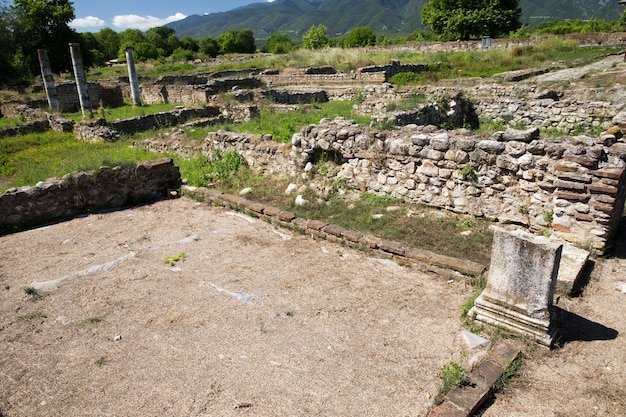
(520, 286)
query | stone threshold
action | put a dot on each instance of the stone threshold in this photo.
(441, 264)
(466, 400)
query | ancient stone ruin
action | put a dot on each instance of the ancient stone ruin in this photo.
(520, 285)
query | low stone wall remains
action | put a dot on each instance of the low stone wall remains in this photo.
(571, 186)
(108, 96)
(195, 93)
(98, 130)
(517, 105)
(36, 126)
(108, 187)
(295, 97)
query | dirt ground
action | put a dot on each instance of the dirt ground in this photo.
(260, 321)
(254, 321)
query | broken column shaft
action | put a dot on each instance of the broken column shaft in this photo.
(48, 80)
(81, 81)
(132, 76)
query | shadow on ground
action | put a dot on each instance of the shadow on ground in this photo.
(575, 328)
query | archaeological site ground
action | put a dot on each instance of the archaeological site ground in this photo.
(137, 289)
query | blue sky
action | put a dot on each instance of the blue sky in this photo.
(93, 15)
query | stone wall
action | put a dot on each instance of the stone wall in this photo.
(570, 186)
(394, 68)
(518, 105)
(295, 97)
(108, 187)
(301, 78)
(98, 130)
(24, 129)
(196, 93)
(98, 94)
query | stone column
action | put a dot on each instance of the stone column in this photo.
(48, 80)
(81, 80)
(132, 75)
(520, 286)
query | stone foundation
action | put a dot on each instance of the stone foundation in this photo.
(108, 187)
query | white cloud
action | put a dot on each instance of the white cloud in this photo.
(132, 21)
(87, 22)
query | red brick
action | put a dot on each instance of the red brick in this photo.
(391, 247)
(271, 211)
(371, 241)
(602, 198)
(615, 174)
(315, 224)
(603, 207)
(566, 195)
(583, 217)
(285, 216)
(333, 229)
(352, 235)
(560, 228)
(602, 189)
(447, 409)
(584, 161)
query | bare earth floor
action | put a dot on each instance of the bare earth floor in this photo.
(254, 321)
(259, 321)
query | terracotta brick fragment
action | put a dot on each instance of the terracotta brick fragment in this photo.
(391, 247)
(418, 254)
(560, 228)
(602, 189)
(371, 241)
(566, 167)
(615, 173)
(609, 181)
(582, 160)
(333, 229)
(602, 198)
(569, 185)
(567, 195)
(603, 207)
(285, 216)
(271, 211)
(574, 176)
(315, 224)
(351, 235)
(583, 217)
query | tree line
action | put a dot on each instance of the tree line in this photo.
(28, 25)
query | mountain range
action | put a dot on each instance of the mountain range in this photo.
(387, 17)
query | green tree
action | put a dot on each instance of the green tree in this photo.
(278, 43)
(43, 24)
(316, 38)
(360, 36)
(209, 46)
(160, 38)
(109, 42)
(145, 51)
(234, 41)
(454, 19)
(129, 38)
(190, 44)
(7, 49)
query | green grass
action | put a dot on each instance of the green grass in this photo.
(282, 125)
(6, 122)
(452, 375)
(410, 224)
(124, 112)
(28, 159)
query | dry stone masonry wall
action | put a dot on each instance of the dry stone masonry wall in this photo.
(108, 187)
(570, 186)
